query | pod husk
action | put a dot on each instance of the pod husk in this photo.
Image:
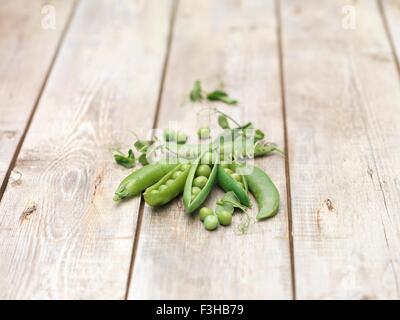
(193, 204)
(167, 195)
(227, 183)
(139, 180)
(265, 193)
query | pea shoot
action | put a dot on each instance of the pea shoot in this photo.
(127, 161)
(196, 95)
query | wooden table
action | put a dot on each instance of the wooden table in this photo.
(322, 78)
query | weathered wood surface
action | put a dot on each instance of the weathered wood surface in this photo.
(100, 74)
(176, 258)
(391, 14)
(27, 50)
(342, 99)
(61, 234)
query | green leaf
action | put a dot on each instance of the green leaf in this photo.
(259, 135)
(127, 161)
(224, 207)
(143, 159)
(231, 198)
(143, 145)
(219, 95)
(195, 94)
(223, 122)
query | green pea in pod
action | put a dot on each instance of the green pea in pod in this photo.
(199, 184)
(141, 179)
(230, 179)
(168, 188)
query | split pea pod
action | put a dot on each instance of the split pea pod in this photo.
(141, 179)
(230, 179)
(264, 191)
(200, 182)
(168, 188)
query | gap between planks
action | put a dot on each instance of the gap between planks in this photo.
(155, 123)
(13, 161)
(389, 34)
(286, 144)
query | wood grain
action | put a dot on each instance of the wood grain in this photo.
(234, 42)
(26, 53)
(391, 12)
(342, 99)
(61, 234)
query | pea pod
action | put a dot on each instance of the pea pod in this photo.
(265, 192)
(192, 197)
(141, 179)
(168, 188)
(230, 180)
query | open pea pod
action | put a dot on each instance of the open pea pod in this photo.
(168, 188)
(230, 179)
(199, 177)
(139, 180)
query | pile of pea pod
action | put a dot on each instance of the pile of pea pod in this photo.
(161, 182)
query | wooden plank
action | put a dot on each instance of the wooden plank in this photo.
(176, 258)
(342, 100)
(26, 53)
(61, 234)
(391, 12)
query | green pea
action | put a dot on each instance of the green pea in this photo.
(195, 191)
(204, 212)
(169, 182)
(181, 138)
(162, 187)
(228, 171)
(237, 177)
(225, 218)
(169, 135)
(200, 182)
(211, 222)
(203, 170)
(155, 191)
(204, 133)
(176, 174)
(185, 166)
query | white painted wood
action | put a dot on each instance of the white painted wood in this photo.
(392, 14)
(234, 42)
(342, 98)
(61, 235)
(26, 53)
